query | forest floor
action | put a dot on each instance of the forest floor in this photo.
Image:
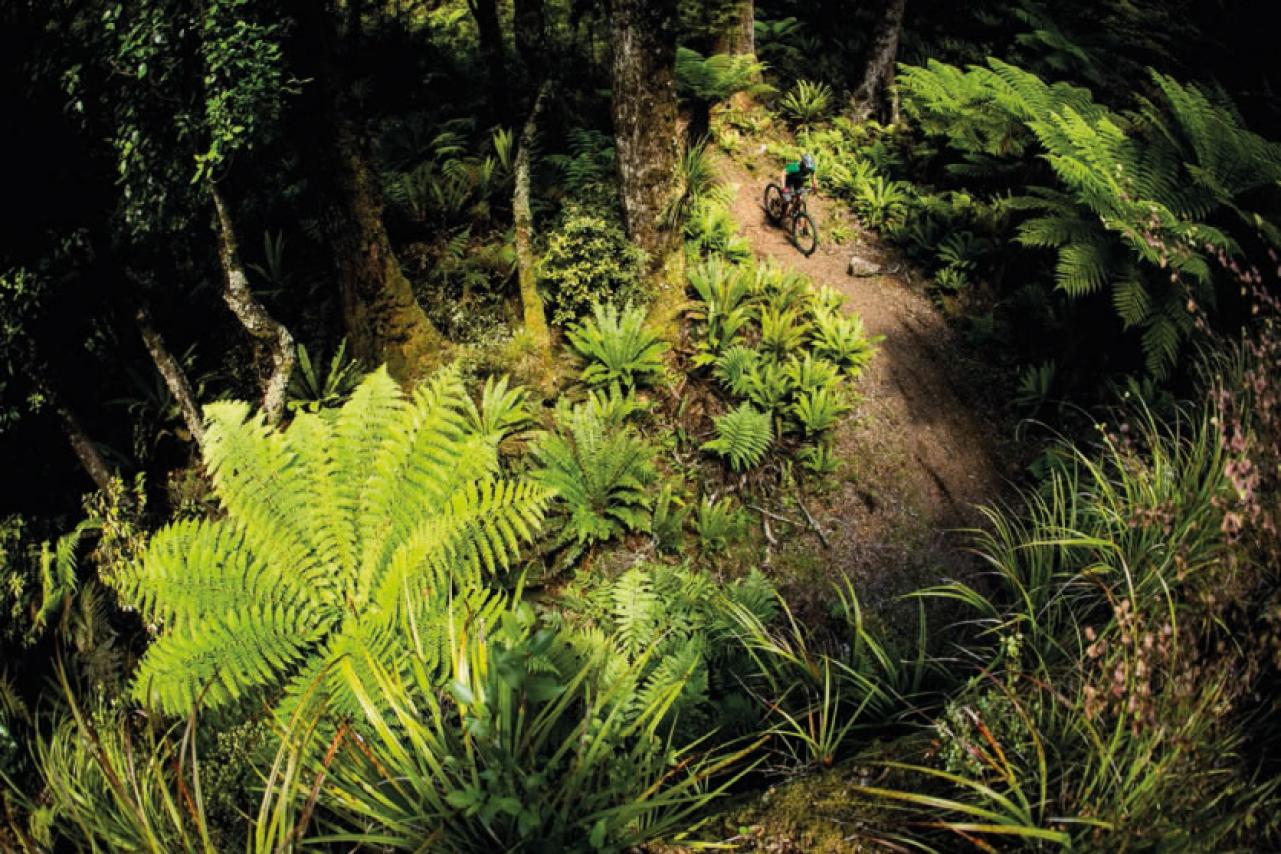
(921, 451)
(919, 455)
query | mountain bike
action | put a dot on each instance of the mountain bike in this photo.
(800, 227)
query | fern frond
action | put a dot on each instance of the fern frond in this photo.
(743, 435)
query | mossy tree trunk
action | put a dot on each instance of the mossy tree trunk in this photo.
(529, 19)
(739, 35)
(490, 30)
(82, 446)
(643, 71)
(874, 95)
(531, 302)
(384, 322)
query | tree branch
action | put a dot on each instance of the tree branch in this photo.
(266, 331)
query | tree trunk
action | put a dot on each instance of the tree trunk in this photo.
(874, 97)
(492, 48)
(531, 302)
(268, 333)
(172, 373)
(84, 448)
(739, 37)
(530, 26)
(643, 69)
(384, 322)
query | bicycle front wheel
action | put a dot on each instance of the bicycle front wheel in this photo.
(804, 234)
(774, 204)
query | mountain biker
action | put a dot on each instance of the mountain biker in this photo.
(796, 173)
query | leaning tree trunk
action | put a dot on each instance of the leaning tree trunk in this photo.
(531, 302)
(874, 97)
(84, 448)
(490, 30)
(269, 334)
(171, 372)
(643, 67)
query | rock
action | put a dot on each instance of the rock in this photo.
(861, 268)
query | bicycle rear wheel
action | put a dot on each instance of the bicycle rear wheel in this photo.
(774, 204)
(804, 234)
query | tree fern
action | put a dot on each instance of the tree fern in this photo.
(340, 534)
(743, 435)
(1146, 202)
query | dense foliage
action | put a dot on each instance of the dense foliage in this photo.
(416, 438)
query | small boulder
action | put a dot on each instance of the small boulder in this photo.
(861, 268)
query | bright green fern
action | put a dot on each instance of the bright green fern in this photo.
(617, 346)
(600, 472)
(343, 537)
(743, 435)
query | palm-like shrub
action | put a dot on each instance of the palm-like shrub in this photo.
(502, 410)
(667, 524)
(743, 435)
(736, 367)
(882, 204)
(782, 330)
(809, 373)
(342, 536)
(718, 524)
(617, 346)
(314, 386)
(600, 473)
(769, 386)
(545, 741)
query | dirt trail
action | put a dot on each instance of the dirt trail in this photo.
(923, 454)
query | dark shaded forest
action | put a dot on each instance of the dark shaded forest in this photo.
(555, 425)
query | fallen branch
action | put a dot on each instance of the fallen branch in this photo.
(775, 516)
(822, 538)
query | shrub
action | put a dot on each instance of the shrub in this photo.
(711, 230)
(840, 339)
(718, 524)
(1137, 205)
(588, 260)
(1114, 690)
(544, 740)
(313, 386)
(817, 411)
(721, 308)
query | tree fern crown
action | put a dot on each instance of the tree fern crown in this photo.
(345, 533)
